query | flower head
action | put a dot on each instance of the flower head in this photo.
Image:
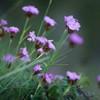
(31, 37)
(72, 24)
(23, 55)
(49, 22)
(98, 78)
(3, 22)
(72, 77)
(49, 46)
(76, 39)
(40, 42)
(47, 78)
(13, 30)
(37, 69)
(30, 10)
(9, 58)
(40, 52)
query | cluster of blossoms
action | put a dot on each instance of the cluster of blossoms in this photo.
(47, 78)
(73, 25)
(4, 29)
(42, 44)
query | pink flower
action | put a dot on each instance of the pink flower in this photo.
(3, 22)
(76, 39)
(71, 23)
(9, 58)
(72, 76)
(98, 78)
(31, 37)
(40, 42)
(49, 21)
(49, 46)
(30, 10)
(47, 78)
(13, 30)
(37, 69)
(24, 54)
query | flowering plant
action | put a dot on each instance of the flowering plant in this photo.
(24, 72)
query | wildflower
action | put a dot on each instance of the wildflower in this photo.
(75, 39)
(49, 46)
(31, 37)
(98, 78)
(47, 78)
(13, 30)
(40, 42)
(30, 10)
(37, 69)
(49, 22)
(60, 77)
(3, 24)
(40, 52)
(72, 24)
(23, 54)
(72, 77)
(9, 58)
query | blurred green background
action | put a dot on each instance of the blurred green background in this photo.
(84, 59)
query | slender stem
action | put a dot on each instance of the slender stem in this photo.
(23, 32)
(50, 2)
(9, 45)
(44, 33)
(21, 38)
(67, 90)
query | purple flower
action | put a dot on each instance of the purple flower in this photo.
(47, 78)
(72, 77)
(13, 29)
(76, 39)
(71, 23)
(40, 42)
(31, 37)
(24, 54)
(98, 78)
(2, 27)
(9, 58)
(3, 23)
(68, 18)
(30, 10)
(37, 69)
(49, 21)
(58, 77)
(49, 46)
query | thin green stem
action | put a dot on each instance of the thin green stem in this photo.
(23, 33)
(67, 90)
(9, 46)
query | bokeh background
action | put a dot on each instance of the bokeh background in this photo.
(84, 59)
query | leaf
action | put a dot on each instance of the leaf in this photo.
(84, 81)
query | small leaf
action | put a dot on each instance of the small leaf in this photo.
(84, 81)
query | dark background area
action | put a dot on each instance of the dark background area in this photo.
(84, 59)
